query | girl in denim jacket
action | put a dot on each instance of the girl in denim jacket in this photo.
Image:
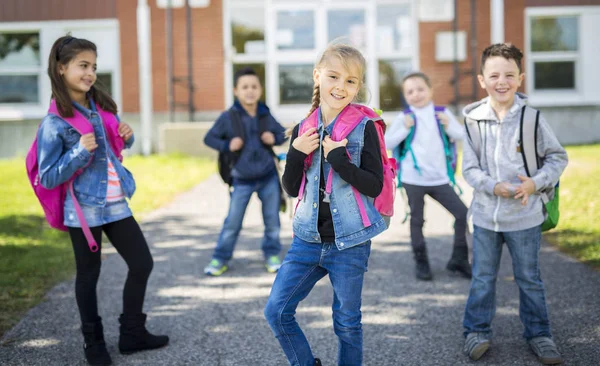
(101, 190)
(329, 236)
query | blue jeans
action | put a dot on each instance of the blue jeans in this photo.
(524, 248)
(304, 265)
(268, 192)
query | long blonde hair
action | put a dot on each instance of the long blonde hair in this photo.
(348, 55)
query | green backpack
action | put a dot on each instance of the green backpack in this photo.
(530, 118)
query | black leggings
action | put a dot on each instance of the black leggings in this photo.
(127, 237)
(446, 196)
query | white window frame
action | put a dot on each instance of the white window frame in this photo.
(273, 57)
(25, 71)
(49, 31)
(587, 76)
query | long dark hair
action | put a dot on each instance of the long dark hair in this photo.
(63, 51)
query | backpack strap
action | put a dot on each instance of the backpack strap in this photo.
(83, 126)
(528, 139)
(349, 118)
(530, 120)
(236, 123)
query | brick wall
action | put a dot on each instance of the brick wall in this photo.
(441, 73)
(207, 54)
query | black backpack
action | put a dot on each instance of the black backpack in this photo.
(227, 159)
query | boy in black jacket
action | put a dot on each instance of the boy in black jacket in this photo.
(254, 171)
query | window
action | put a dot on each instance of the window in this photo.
(295, 84)
(391, 73)
(295, 29)
(282, 39)
(395, 50)
(248, 30)
(19, 67)
(554, 46)
(348, 23)
(394, 28)
(104, 81)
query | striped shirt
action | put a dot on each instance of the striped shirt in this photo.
(114, 192)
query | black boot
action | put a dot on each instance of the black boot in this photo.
(94, 346)
(134, 337)
(422, 270)
(459, 262)
(317, 362)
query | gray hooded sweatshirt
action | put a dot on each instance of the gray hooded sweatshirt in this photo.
(501, 161)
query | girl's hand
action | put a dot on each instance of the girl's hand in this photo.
(268, 138)
(525, 189)
(329, 144)
(125, 131)
(408, 121)
(444, 120)
(308, 142)
(504, 189)
(236, 144)
(88, 141)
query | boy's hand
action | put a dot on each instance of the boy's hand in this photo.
(268, 138)
(236, 144)
(504, 189)
(408, 121)
(329, 144)
(525, 189)
(307, 142)
(88, 141)
(444, 120)
(125, 131)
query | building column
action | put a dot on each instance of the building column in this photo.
(145, 74)
(497, 21)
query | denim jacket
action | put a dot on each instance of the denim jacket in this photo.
(60, 155)
(347, 222)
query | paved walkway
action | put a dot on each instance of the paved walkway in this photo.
(219, 321)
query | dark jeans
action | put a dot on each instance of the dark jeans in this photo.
(446, 196)
(128, 239)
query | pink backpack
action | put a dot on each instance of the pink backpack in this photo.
(348, 119)
(52, 200)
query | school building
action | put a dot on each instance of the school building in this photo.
(281, 39)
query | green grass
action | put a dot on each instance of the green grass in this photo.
(578, 231)
(33, 257)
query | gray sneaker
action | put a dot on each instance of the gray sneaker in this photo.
(545, 350)
(476, 345)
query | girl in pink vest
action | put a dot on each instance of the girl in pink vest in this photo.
(97, 197)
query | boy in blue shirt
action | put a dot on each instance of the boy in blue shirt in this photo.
(254, 170)
(507, 206)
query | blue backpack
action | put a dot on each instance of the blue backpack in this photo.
(404, 148)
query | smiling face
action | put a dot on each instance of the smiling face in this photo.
(79, 74)
(416, 92)
(338, 85)
(501, 79)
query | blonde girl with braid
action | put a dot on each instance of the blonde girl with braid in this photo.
(329, 236)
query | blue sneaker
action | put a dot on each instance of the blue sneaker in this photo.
(216, 268)
(273, 264)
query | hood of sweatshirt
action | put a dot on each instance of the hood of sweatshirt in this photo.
(482, 110)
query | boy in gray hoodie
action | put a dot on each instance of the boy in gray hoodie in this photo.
(507, 207)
